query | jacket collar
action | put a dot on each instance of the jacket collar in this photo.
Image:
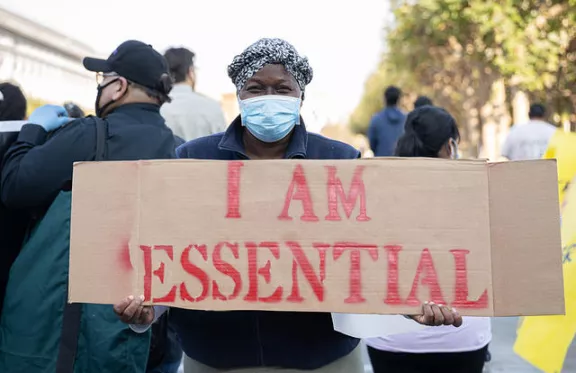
(232, 140)
(136, 106)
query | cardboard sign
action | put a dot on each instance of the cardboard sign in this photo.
(350, 236)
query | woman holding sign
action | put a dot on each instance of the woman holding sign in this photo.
(270, 77)
(432, 132)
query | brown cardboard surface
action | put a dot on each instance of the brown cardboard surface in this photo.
(432, 230)
(521, 254)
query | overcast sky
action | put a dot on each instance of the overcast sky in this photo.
(343, 40)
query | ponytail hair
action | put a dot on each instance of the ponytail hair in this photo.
(410, 145)
(427, 129)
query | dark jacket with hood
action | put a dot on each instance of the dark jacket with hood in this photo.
(385, 129)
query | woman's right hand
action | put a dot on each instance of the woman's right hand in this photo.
(131, 311)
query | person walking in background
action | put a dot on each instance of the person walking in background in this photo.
(529, 140)
(74, 110)
(432, 132)
(388, 125)
(13, 224)
(422, 101)
(190, 115)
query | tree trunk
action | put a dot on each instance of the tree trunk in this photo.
(520, 106)
(496, 121)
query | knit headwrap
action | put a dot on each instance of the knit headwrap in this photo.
(265, 52)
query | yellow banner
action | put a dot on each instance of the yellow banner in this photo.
(562, 147)
(544, 341)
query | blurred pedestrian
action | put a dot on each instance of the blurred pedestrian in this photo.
(41, 332)
(422, 101)
(13, 224)
(388, 125)
(432, 132)
(74, 110)
(529, 140)
(270, 78)
(13, 104)
(190, 114)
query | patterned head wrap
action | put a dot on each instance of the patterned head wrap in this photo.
(269, 51)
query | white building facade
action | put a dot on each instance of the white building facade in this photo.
(46, 64)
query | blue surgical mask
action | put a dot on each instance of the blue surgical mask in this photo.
(270, 118)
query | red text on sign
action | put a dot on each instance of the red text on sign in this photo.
(299, 190)
(308, 265)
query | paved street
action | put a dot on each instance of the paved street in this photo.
(504, 360)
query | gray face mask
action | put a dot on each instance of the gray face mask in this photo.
(453, 149)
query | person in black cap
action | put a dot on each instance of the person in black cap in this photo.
(132, 85)
(134, 71)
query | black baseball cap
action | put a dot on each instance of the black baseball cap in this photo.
(135, 61)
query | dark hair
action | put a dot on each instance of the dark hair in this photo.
(392, 95)
(422, 101)
(13, 104)
(537, 111)
(161, 93)
(74, 110)
(152, 93)
(180, 60)
(427, 129)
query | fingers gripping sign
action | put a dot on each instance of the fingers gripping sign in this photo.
(131, 310)
(437, 314)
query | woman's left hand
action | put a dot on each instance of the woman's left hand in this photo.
(437, 314)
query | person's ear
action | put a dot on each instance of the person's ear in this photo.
(120, 89)
(453, 149)
(192, 76)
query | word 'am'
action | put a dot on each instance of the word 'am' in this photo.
(299, 190)
(246, 285)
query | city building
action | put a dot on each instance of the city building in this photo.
(46, 64)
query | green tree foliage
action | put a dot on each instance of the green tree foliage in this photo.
(456, 50)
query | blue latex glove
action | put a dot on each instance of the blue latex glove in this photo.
(49, 117)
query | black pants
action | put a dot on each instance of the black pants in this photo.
(399, 362)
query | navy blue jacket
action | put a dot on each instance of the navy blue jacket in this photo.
(248, 339)
(385, 129)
